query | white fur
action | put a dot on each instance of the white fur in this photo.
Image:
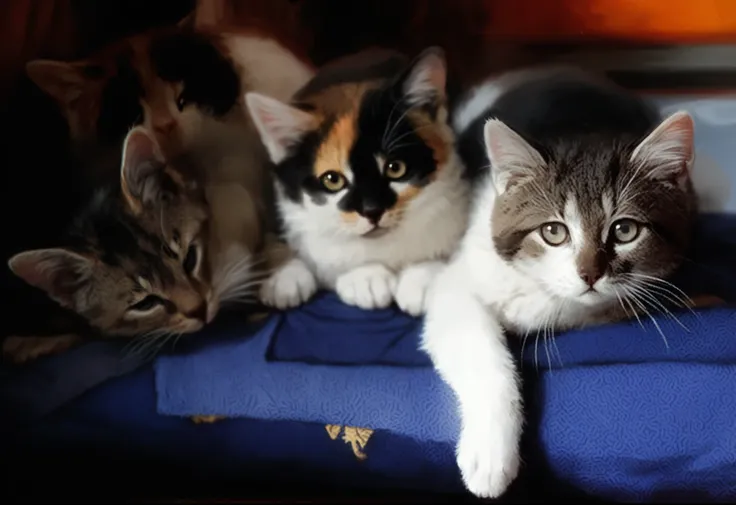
(290, 286)
(364, 271)
(469, 304)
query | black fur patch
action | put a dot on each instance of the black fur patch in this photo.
(209, 79)
(382, 129)
(120, 108)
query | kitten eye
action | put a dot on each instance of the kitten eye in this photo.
(625, 230)
(394, 169)
(190, 260)
(148, 303)
(181, 101)
(333, 181)
(554, 233)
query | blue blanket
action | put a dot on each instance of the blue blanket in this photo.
(628, 410)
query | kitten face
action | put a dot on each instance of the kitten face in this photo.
(177, 82)
(594, 222)
(137, 260)
(353, 157)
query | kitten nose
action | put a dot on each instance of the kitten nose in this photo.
(199, 313)
(373, 215)
(590, 276)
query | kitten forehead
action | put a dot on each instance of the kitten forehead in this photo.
(334, 152)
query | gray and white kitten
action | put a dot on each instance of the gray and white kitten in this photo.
(584, 207)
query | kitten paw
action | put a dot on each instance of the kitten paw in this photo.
(488, 458)
(411, 289)
(21, 350)
(368, 287)
(290, 286)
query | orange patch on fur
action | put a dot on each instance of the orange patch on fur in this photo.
(407, 196)
(437, 137)
(334, 151)
(349, 217)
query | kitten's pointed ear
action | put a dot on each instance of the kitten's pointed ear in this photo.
(426, 80)
(188, 21)
(512, 158)
(279, 125)
(142, 169)
(668, 151)
(58, 272)
(64, 82)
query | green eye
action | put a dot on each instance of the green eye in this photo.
(625, 230)
(554, 233)
(333, 181)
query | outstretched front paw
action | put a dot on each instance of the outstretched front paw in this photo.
(368, 287)
(414, 281)
(290, 286)
(488, 457)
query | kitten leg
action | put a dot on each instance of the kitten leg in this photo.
(23, 349)
(368, 287)
(468, 349)
(412, 286)
(291, 285)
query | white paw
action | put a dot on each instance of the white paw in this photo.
(368, 287)
(290, 286)
(411, 289)
(488, 457)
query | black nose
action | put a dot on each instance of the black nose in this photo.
(373, 215)
(200, 313)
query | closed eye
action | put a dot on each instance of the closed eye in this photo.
(148, 304)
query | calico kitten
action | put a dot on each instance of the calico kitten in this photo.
(584, 207)
(369, 186)
(184, 83)
(137, 261)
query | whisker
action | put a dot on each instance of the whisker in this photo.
(635, 299)
(656, 304)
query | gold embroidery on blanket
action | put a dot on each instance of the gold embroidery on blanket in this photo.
(206, 419)
(356, 437)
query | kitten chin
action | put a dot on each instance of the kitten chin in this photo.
(369, 187)
(583, 209)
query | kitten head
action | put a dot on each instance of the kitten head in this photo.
(597, 219)
(136, 260)
(355, 155)
(176, 81)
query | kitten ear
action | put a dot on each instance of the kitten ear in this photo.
(188, 22)
(669, 150)
(58, 272)
(64, 82)
(512, 158)
(279, 125)
(142, 169)
(211, 12)
(426, 80)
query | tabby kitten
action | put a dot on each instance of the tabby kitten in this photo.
(136, 261)
(584, 207)
(369, 187)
